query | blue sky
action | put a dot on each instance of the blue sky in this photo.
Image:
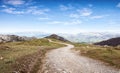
(59, 16)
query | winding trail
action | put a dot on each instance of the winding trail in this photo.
(64, 60)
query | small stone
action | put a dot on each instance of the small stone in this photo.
(64, 72)
(15, 72)
(1, 58)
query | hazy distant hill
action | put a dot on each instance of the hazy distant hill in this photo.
(88, 37)
(12, 38)
(110, 42)
(32, 34)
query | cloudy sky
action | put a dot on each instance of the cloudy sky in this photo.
(60, 16)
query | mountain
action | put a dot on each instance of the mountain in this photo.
(110, 42)
(13, 38)
(87, 37)
(54, 36)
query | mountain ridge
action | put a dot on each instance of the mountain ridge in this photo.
(110, 42)
(87, 37)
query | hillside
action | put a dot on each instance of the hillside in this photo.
(54, 36)
(110, 42)
(108, 55)
(24, 56)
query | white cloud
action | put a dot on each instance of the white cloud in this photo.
(31, 10)
(55, 22)
(14, 2)
(81, 13)
(64, 8)
(118, 5)
(18, 12)
(9, 10)
(97, 17)
(12, 11)
(85, 12)
(43, 18)
(75, 15)
(4, 6)
(36, 11)
(73, 22)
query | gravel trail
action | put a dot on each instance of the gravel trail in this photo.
(65, 60)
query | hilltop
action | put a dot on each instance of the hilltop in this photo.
(54, 36)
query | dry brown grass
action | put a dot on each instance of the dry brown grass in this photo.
(110, 55)
(23, 56)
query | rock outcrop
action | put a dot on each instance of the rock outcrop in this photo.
(13, 38)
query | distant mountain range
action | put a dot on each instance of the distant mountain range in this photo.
(32, 34)
(87, 37)
(90, 37)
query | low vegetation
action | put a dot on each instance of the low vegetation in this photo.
(107, 54)
(25, 56)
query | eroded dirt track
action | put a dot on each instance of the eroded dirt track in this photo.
(64, 60)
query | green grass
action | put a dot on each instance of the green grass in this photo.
(109, 54)
(15, 52)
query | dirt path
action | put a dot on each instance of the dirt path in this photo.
(64, 60)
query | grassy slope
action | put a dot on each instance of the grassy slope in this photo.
(109, 55)
(18, 55)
